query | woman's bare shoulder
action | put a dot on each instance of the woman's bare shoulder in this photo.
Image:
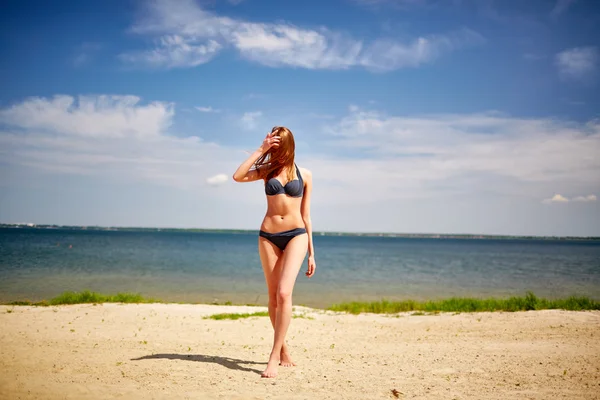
(305, 172)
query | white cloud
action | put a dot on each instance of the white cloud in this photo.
(175, 51)
(101, 116)
(425, 156)
(585, 199)
(189, 36)
(111, 136)
(208, 109)
(249, 119)
(217, 179)
(393, 169)
(434, 155)
(557, 198)
(578, 62)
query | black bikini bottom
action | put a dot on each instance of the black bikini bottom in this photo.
(281, 239)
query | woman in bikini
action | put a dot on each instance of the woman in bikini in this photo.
(286, 231)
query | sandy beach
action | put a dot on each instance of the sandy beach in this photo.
(169, 351)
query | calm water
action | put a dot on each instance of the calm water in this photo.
(206, 267)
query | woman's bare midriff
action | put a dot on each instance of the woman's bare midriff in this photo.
(283, 214)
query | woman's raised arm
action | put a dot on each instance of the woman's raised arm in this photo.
(243, 173)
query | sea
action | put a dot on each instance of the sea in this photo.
(209, 267)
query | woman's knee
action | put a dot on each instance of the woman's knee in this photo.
(283, 295)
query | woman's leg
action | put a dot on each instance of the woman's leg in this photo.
(271, 258)
(292, 259)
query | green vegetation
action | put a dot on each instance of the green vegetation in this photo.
(237, 316)
(302, 316)
(88, 297)
(461, 304)
(454, 304)
(246, 315)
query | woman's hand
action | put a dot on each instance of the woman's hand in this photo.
(270, 141)
(312, 265)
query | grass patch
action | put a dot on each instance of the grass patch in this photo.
(455, 304)
(465, 304)
(92, 297)
(219, 317)
(87, 296)
(26, 303)
(223, 316)
(302, 316)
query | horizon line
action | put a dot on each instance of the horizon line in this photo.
(321, 232)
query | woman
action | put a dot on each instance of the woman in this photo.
(286, 231)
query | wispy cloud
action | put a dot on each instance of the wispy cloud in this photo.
(249, 119)
(557, 198)
(560, 7)
(208, 109)
(572, 102)
(253, 96)
(533, 57)
(188, 36)
(85, 53)
(578, 62)
(174, 51)
(461, 153)
(585, 199)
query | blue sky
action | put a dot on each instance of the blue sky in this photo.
(455, 116)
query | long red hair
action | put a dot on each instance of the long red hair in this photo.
(274, 160)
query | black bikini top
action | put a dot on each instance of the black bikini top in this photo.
(293, 188)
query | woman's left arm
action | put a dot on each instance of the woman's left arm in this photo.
(307, 177)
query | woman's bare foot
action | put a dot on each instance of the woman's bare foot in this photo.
(284, 358)
(271, 371)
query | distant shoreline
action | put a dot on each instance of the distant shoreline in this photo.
(316, 233)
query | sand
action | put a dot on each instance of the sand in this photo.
(168, 351)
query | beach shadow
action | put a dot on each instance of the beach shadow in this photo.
(231, 363)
